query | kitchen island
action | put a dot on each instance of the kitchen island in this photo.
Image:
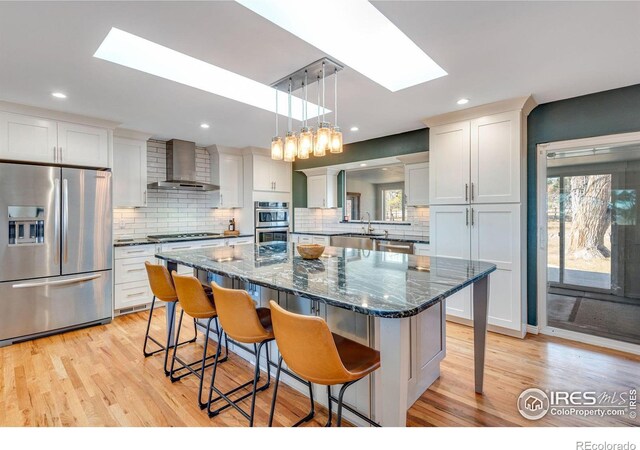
(393, 302)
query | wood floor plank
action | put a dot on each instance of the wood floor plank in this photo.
(98, 377)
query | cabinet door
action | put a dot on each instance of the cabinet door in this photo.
(262, 176)
(26, 138)
(317, 191)
(416, 184)
(449, 159)
(451, 237)
(231, 181)
(495, 158)
(129, 173)
(495, 238)
(82, 145)
(305, 239)
(321, 240)
(281, 176)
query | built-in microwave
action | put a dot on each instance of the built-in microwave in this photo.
(271, 214)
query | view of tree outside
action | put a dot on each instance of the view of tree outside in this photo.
(587, 205)
(392, 204)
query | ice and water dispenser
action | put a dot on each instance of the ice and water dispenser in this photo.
(26, 225)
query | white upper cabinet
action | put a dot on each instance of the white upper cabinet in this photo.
(226, 172)
(496, 158)
(477, 161)
(129, 172)
(322, 188)
(83, 145)
(30, 138)
(416, 184)
(270, 175)
(26, 138)
(449, 162)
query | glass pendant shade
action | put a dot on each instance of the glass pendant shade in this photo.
(277, 150)
(336, 140)
(290, 147)
(305, 143)
(323, 137)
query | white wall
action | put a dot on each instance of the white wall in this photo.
(171, 211)
(328, 220)
(368, 197)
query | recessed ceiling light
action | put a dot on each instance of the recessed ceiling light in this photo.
(204, 125)
(354, 128)
(141, 54)
(463, 101)
(361, 37)
(363, 164)
(59, 95)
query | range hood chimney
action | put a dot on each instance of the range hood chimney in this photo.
(181, 169)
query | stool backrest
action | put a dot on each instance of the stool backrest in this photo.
(238, 316)
(307, 346)
(161, 282)
(192, 297)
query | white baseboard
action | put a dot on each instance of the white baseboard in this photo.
(592, 340)
(533, 329)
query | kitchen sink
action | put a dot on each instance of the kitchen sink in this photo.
(361, 241)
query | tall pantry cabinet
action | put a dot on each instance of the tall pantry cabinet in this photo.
(477, 197)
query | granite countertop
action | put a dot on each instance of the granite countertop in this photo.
(369, 282)
(145, 241)
(390, 237)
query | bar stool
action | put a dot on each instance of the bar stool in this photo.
(310, 349)
(244, 324)
(198, 305)
(163, 289)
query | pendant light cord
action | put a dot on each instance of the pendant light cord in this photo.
(276, 135)
(305, 99)
(335, 95)
(318, 92)
(323, 104)
(289, 112)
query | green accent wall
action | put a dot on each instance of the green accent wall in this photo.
(393, 145)
(602, 113)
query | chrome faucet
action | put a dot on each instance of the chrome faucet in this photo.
(369, 229)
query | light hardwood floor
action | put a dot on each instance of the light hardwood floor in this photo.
(98, 377)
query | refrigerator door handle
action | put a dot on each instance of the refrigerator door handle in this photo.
(65, 218)
(57, 219)
(56, 283)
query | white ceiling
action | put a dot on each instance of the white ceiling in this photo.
(491, 50)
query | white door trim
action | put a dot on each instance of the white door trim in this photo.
(541, 244)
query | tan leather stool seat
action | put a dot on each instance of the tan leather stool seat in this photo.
(358, 359)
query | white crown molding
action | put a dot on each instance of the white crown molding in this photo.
(412, 158)
(56, 115)
(524, 104)
(320, 171)
(131, 134)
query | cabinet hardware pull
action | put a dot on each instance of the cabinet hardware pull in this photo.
(472, 222)
(472, 195)
(135, 251)
(467, 219)
(59, 154)
(135, 270)
(55, 155)
(466, 192)
(56, 283)
(136, 293)
(65, 219)
(179, 248)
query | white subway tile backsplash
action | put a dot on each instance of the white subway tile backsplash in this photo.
(168, 211)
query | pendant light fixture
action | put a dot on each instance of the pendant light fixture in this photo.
(290, 141)
(336, 134)
(305, 140)
(326, 137)
(323, 134)
(277, 151)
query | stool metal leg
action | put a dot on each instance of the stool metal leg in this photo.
(306, 418)
(328, 424)
(340, 396)
(146, 335)
(189, 366)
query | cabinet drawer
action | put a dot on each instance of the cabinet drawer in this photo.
(304, 239)
(132, 294)
(321, 240)
(132, 269)
(422, 250)
(135, 251)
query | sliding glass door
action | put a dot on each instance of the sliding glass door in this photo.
(593, 241)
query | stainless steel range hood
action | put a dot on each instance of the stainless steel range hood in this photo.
(181, 169)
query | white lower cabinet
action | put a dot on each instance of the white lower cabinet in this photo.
(490, 233)
(131, 290)
(310, 239)
(422, 249)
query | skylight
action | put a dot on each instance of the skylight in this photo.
(141, 54)
(355, 33)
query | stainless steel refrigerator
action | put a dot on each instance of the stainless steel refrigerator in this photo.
(55, 250)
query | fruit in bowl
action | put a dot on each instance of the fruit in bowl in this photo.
(310, 251)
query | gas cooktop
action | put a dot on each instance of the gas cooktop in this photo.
(181, 236)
